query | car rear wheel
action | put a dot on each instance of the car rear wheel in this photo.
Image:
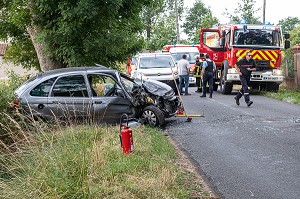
(153, 116)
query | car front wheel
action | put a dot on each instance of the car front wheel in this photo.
(153, 116)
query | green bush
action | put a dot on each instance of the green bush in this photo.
(7, 88)
(7, 121)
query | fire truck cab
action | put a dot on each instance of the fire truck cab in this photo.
(227, 44)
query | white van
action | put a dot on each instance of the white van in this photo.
(157, 66)
(191, 53)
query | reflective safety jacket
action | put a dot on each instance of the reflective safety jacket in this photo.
(198, 68)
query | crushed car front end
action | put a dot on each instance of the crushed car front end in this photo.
(163, 96)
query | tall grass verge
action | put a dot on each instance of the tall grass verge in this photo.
(85, 161)
(291, 96)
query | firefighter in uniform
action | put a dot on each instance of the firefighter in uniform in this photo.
(208, 68)
(244, 68)
(198, 67)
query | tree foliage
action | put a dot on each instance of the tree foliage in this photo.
(72, 32)
(160, 22)
(289, 23)
(198, 16)
(163, 33)
(289, 53)
(244, 12)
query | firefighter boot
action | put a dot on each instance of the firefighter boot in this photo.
(249, 103)
(237, 98)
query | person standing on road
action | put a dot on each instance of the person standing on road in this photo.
(244, 68)
(183, 71)
(128, 66)
(198, 66)
(208, 68)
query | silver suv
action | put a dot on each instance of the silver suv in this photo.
(156, 66)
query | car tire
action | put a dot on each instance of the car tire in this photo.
(153, 116)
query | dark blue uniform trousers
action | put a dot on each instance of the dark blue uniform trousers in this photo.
(207, 77)
(244, 90)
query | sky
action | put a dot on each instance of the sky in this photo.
(275, 9)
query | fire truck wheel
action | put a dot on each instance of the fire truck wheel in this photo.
(153, 116)
(225, 87)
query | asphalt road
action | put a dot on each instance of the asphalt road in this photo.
(244, 152)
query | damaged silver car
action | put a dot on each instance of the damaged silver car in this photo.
(95, 93)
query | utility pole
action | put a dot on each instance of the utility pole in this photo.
(264, 12)
(177, 23)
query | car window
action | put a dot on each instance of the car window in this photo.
(102, 85)
(129, 84)
(70, 86)
(155, 62)
(43, 89)
(190, 56)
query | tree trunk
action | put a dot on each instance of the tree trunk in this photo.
(46, 63)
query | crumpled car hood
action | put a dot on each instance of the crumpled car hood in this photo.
(158, 88)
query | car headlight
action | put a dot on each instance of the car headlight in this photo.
(232, 71)
(277, 72)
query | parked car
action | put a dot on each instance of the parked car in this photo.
(156, 66)
(191, 52)
(96, 93)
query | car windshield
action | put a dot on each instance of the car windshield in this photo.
(128, 83)
(190, 56)
(256, 37)
(156, 62)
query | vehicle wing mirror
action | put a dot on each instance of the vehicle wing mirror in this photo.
(223, 34)
(287, 44)
(287, 35)
(222, 41)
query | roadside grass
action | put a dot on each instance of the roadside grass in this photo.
(86, 161)
(283, 94)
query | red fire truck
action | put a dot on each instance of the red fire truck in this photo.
(226, 44)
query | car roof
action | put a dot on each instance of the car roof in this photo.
(96, 68)
(184, 49)
(154, 54)
(62, 71)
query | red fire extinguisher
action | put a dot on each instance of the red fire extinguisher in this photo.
(126, 138)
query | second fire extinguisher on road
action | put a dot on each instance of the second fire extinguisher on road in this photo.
(126, 138)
